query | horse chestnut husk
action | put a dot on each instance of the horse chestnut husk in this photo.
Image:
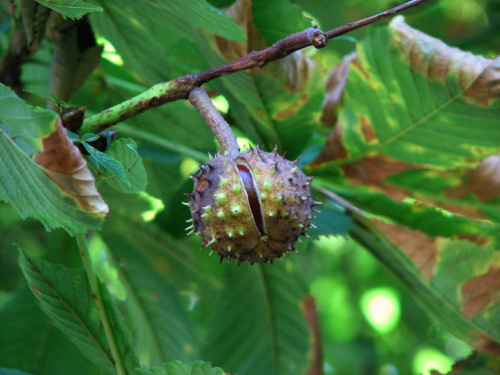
(252, 206)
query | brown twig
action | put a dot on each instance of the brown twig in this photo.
(222, 132)
(181, 87)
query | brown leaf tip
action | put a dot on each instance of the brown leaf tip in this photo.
(65, 166)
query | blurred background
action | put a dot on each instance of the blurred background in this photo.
(368, 321)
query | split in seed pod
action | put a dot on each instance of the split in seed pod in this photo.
(252, 206)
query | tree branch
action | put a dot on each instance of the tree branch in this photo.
(181, 87)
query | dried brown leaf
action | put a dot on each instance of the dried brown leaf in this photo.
(65, 166)
(334, 149)
(419, 247)
(484, 181)
(479, 77)
(485, 344)
(241, 13)
(335, 87)
(481, 292)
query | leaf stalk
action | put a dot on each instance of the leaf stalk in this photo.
(96, 293)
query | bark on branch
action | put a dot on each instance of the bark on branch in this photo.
(180, 88)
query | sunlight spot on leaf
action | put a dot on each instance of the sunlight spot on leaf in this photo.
(470, 11)
(330, 243)
(381, 307)
(243, 142)
(428, 359)
(105, 268)
(156, 206)
(221, 103)
(337, 316)
(188, 166)
(109, 53)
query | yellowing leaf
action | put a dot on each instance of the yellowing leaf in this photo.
(414, 99)
(456, 280)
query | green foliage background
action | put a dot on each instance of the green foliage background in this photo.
(410, 285)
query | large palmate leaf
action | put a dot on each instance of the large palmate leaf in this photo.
(415, 215)
(161, 326)
(268, 18)
(6, 371)
(258, 326)
(65, 296)
(29, 342)
(23, 124)
(418, 115)
(456, 280)
(70, 8)
(144, 44)
(279, 105)
(172, 259)
(23, 182)
(417, 100)
(179, 368)
(76, 54)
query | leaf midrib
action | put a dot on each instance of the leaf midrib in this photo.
(69, 308)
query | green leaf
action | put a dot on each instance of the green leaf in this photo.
(70, 8)
(100, 159)
(170, 130)
(462, 279)
(76, 54)
(179, 368)
(142, 43)
(292, 92)
(125, 152)
(6, 371)
(120, 330)
(135, 236)
(258, 326)
(65, 296)
(415, 99)
(414, 214)
(268, 17)
(76, 138)
(457, 190)
(23, 124)
(25, 186)
(467, 276)
(88, 137)
(29, 342)
(332, 219)
(23, 183)
(34, 19)
(160, 323)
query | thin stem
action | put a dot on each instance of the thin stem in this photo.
(219, 126)
(366, 21)
(340, 200)
(163, 142)
(181, 87)
(96, 292)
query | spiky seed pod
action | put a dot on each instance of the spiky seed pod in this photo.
(251, 207)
